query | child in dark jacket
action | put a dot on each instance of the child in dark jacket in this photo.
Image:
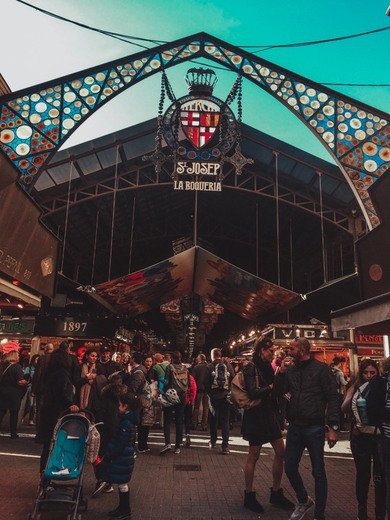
(117, 464)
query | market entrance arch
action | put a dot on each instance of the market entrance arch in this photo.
(36, 121)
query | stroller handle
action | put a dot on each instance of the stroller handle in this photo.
(81, 410)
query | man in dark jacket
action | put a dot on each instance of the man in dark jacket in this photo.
(201, 374)
(107, 366)
(313, 414)
(218, 387)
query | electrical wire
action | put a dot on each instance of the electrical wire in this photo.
(315, 42)
(122, 37)
(133, 39)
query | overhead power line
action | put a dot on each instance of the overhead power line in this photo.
(134, 39)
(315, 42)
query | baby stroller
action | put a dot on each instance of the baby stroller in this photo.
(75, 440)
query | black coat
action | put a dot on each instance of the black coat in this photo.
(260, 421)
(57, 397)
(314, 399)
(118, 460)
(11, 393)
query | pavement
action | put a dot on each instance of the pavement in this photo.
(199, 483)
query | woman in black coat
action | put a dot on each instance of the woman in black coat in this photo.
(260, 426)
(57, 398)
(12, 389)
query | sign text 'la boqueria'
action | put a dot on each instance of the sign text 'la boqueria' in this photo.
(197, 170)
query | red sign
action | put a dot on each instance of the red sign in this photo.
(364, 339)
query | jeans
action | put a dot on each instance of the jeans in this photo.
(201, 399)
(143, 435)
(365, 452)
(178, 409)
(221, 416)
(312, 438)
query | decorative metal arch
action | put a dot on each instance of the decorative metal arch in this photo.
(36, 121)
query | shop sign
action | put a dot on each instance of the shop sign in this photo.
(17, 327)
(370, 352)
(368, 339)
(75, 328)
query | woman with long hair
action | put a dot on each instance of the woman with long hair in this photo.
(90, 382)
(364, 445)
(260, 425)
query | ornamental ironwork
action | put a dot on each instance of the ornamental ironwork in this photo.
(36, 121)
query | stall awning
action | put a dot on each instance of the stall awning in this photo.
(201, 272)
(371, 315)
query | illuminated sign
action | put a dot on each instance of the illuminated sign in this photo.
(201, 131)
(17, 327)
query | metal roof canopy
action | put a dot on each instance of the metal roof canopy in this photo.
(112, 166)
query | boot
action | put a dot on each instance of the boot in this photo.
(116, 511)
(362, 512)
(250, 502)
(277, 498)
(123, 511)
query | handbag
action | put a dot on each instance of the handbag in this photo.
(239, 394)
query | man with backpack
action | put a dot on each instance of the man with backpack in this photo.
(218, 389)
(175, 389)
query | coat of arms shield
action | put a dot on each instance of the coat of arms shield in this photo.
(199, 119)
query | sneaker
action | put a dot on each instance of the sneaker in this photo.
(225, 451)
(301, 509)
(146, 450)
(212, 444)
(177, 451)
(108, 489)
(188, 441)
(165, 449)
(31, 423)
(100, 485)
(278, 499)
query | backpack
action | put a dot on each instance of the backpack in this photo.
(239, 394)
(178, 380)
(359, 410)
(144, 393)
(220, 377)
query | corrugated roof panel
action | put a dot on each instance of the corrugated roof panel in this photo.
(44, 182)
(344, 194)
(141, 146)
(285, 164)
(89, 164)
(61, 173)
(303, 173)
(109, 157)
(328, 184)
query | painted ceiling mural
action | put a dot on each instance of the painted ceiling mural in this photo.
(36, 121)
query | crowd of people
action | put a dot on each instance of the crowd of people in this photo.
(293, 395)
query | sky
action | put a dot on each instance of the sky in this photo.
(37, 48)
